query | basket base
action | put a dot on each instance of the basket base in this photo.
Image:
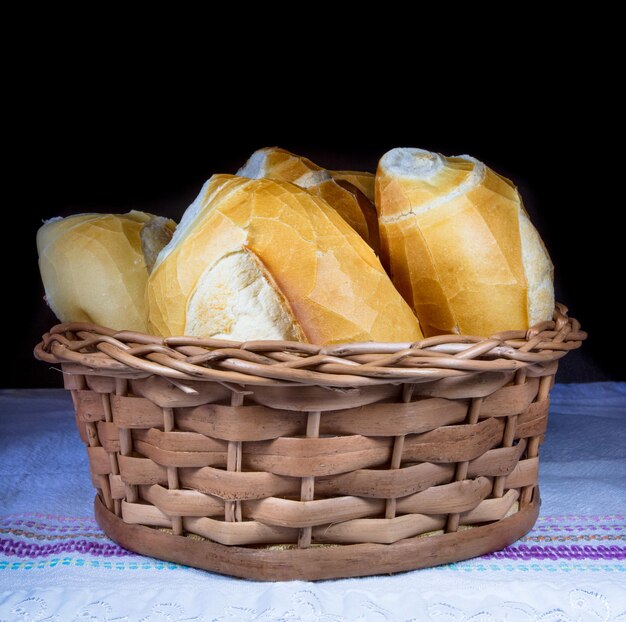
(353, 560)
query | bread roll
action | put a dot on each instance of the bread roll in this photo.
(459, 244)
(94, 267)
(264, 259)
(363, 181)
(346, 198)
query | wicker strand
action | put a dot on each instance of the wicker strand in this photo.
(508, 438)
(396, 453)
(232, 509)
(115, 469)
(126, 441)
(93, 440)
(172, 471)
(460, 474)
(307, 486)
(132, 355)
(532, 449)
(79, 384)
(103, 480)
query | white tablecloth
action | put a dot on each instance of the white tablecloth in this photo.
(56, 564)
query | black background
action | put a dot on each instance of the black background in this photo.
(97, 152)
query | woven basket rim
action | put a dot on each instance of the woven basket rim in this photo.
(97, 350)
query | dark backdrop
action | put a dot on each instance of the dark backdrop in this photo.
(81, 162)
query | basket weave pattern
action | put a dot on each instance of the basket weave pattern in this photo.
(367, 447)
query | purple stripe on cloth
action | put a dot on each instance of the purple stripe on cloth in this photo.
(16, 548)
(562, 551)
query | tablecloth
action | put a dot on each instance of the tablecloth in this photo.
(57, 565)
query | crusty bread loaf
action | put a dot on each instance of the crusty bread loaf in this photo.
(362, 180)
(264, 259)
(459, 244)
(95, 267)
(342, 195)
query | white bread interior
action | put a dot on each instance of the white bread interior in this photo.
(235, 296)
(94, 267)
(343, 195)
(459, 244)
(265, 259)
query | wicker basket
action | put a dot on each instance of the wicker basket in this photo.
(279, 460)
